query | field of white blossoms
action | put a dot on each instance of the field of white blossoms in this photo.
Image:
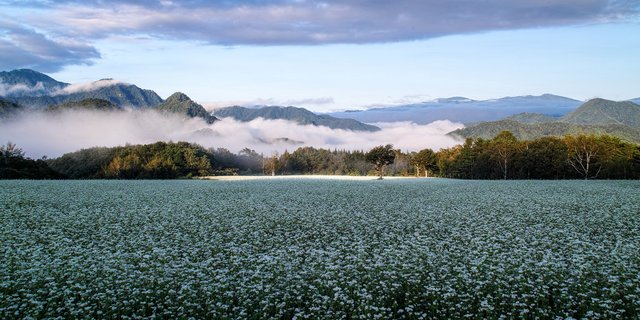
(321, 249)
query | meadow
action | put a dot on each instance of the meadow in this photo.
(320, 249)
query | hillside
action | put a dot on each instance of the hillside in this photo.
(26, 82)
(37, 90)
(460, 109)
(8, 108)
(601, 111)
(86, 104)
(180, 103)
(598, 116)
(527, 117)
(299, 115)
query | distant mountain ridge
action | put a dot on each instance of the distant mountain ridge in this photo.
(461, 109)
(597, 116)
(37, 90)
(26, 82)
(180, 103)
(299, 115)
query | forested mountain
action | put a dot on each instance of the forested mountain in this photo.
(460, 109)
(37, 90)
(8, 108)
(601, 111)
(527, 117)
(298, 115)
(596, 116)
(85, 104)
(26, 82)
(180, 103)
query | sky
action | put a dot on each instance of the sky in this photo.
(332, 55)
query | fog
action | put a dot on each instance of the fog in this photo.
(53, 134)
(87, 86)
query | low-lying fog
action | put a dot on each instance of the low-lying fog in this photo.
(53, 134)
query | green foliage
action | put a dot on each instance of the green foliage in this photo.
(381, 156)
(160, 160)
(86, 104)
(14, 165)
(579, 156)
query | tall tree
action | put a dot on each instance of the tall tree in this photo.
(583, 152)
(381, 156)
(503, 147)
(424, 161)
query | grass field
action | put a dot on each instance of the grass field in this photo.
(311, 248)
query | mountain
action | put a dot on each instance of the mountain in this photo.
(26, 82)
(86, 104)
(120, 94)
(37, 90)
(636, 100)
(597, 116)
(524, 131)
(527, 117)
(601, 111)
(8, 108)
(299, 115)
(181, 104)
(460, 109)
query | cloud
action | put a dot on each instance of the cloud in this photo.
(23, 47)
(21, 89)
(55, 134)
(320, 22)
(87, 86)
(42, 39)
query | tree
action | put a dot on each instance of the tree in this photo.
(583, 153)
(424, 160)
(504, 146)
(9, 151)
(381, 156)
(272, 164)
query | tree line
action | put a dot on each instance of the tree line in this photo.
(503, 157)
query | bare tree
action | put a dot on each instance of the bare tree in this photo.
(583, 152)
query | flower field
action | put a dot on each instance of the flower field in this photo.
(320, 249)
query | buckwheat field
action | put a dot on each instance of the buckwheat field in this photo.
(320, 249)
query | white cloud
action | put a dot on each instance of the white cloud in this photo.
(88, 86)
(55, 134)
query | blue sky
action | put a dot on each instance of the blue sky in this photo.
(330, 55)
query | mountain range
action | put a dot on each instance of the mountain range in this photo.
(298, 115)
(37, 90)
(599, 116)
(527, 117)
(464, 110)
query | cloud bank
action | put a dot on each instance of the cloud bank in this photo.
(55, 134)
(24, 47)
(274, 22)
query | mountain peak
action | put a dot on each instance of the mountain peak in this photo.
(179, 97)
(180, 103)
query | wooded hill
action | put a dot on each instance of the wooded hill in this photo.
(596, 116)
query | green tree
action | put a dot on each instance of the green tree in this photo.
(424, 161)
(503, 149)
(381, 156)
